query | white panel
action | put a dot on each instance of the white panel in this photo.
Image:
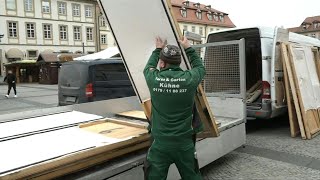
(30, 14)
(64, 42)
(48, 42)
(47, 16)
(89, 20)
(228, 107)
(44, 122)
(63, 17)
(135, 25)
(31, 41)
(11, 12)
(37, 148)
(77, 18)
(13, 41)
(308, 80)
(78, 43)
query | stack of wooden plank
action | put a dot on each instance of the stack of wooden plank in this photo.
(72, 149)
(301, 76)
(254, 92)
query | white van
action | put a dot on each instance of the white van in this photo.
(263, 64)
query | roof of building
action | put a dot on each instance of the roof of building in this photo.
(308, 21)
(56, 57)
(21, 62)
(14, 53)
(192, 18)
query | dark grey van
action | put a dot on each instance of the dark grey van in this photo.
(87, 81)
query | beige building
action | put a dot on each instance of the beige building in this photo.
(105, 34)
(31, 27)
(309, 27)
(199, 18)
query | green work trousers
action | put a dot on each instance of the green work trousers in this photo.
(160, 159)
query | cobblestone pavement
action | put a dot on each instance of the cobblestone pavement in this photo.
(270, 153)
(30, 97)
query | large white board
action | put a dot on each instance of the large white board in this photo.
(308, 80)
(21, 152)
(135, 25)
(44, 122)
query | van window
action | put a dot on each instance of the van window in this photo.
(110, 72)
(73, 75)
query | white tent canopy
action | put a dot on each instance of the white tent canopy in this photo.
(107, 53)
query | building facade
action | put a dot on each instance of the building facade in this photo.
(31, 27)
(199, 18)
(105, 34)
(309, 27)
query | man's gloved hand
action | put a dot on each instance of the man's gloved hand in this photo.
(160, 43)
(185, 43)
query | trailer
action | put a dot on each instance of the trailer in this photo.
(127, 166)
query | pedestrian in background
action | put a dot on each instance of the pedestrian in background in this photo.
(11, 80)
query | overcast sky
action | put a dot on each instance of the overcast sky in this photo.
(246, 13)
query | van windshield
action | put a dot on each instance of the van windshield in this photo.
(73, 75)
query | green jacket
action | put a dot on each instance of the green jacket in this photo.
(172, 93)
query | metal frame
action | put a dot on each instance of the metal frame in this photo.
(242, 66)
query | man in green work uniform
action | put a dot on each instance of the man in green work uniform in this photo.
(172, 95)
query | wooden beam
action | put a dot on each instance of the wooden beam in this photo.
(201, 101)
(287, 65)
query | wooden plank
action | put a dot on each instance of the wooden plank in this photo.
(204, 110)
(293, 117)
(133, 114)
(287, 65)
(317, 60)
(79, 160)
(115, 130)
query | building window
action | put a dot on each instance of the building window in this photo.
(62, 8)
(211, 29)
(63, 32)
(102, 21)
(221, 17)
(201, 30)
(76, 9)
(186, 3)
(209, 15)
(185, 27)
(304, 27)
(215, 17)
(315, 25)
(45, 6)
(31, 30)
(103, 39)
(313, 35)
(193, 29)
(32, 54)
(197, 5)
(77, 33)
(28, 5)
(199, 14)
(13, 29)
(88, 11)
(183, 12)
(89, 34)
(47, 31)
(11, 4)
